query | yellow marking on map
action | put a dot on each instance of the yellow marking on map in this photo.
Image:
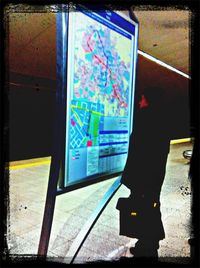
(85, 109)
(77, 117)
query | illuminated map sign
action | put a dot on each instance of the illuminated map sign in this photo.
(100, 91)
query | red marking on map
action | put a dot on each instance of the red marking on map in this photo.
(89, 143)
(73, 122)
(90, 45)
(143, 102)
(116, 95)
(123, 104)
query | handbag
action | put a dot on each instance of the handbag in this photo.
(129, 217)
(138, 218)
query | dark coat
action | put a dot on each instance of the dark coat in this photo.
(145, 167)
(149, 144)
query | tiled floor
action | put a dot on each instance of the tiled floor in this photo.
(28, 188)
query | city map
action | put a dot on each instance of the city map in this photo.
(101, 79)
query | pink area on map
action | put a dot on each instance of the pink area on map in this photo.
(89, 143)
(73, 122)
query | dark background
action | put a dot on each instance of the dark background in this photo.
(32, 99)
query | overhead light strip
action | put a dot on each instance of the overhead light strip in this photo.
(162, 63)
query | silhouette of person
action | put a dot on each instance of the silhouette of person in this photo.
(145, 169)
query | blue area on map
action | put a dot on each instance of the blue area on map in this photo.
(81, 117)
(120, 23)
(113, 143)
(113, 131)
(102, 156)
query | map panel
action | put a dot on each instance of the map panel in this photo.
(100, 75)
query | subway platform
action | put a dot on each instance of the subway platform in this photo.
(28, 186)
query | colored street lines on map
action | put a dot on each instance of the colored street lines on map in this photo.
(85, 123)
(101, 66)
(111, 76)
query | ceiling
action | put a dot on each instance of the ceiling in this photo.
(31, 39)
(166, 36)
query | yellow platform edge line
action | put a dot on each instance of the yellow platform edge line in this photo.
(29, 165)
(180, 141)
(49, 161)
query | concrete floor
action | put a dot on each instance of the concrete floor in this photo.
(28, 186)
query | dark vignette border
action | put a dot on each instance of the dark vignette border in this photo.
(36, 5)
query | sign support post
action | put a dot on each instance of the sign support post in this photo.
(61, 39)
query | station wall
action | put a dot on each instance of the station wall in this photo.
(31, 108)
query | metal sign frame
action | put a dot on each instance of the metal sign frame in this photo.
(57, 161)
(130, 27)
